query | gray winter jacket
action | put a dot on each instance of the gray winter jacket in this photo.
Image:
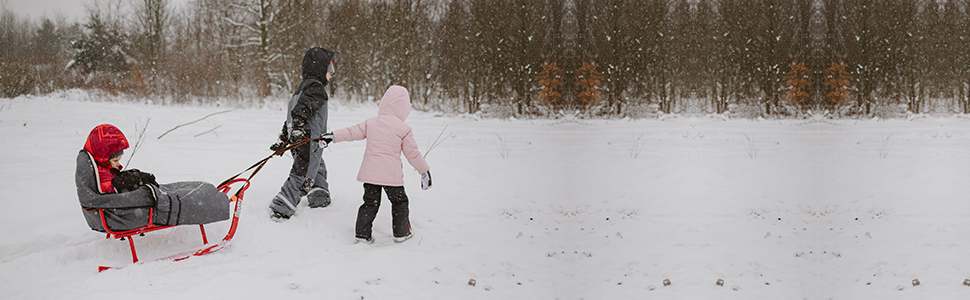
(188, 202)
(312, 91)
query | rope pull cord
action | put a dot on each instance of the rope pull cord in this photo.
(259, 164)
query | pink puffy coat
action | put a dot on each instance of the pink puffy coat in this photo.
(387, 137)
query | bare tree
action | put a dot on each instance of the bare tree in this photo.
(14, 34)
(256, 21)
(152, 18)
(685, 56)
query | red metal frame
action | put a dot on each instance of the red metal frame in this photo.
(139, 231)
(225, 188)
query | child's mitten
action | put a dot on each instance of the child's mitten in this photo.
(326, 139)
(284, 135)
(276, 147)
(130, 180)
(426, 180)
(296, 131)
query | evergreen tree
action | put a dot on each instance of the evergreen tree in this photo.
(590, 83)
(46, 41)
(549, 80)
(797, 81)
(103, 48)
(838, 80)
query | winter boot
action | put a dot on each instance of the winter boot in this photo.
(361, 240)
(403, 238)
(318, 197)
(278, 217)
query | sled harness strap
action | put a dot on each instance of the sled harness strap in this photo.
(259, 164)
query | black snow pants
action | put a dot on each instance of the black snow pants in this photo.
(372, 202)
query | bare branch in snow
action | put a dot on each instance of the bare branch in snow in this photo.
(190, 123)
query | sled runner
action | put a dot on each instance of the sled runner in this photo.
(225, 188)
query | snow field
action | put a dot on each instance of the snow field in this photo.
(540, 209)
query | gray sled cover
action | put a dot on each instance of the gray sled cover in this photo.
(187, 202)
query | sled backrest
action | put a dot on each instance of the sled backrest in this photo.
(123, 211)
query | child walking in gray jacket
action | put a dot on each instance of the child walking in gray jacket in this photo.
(307, 118)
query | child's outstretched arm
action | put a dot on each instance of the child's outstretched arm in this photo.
(352, 133)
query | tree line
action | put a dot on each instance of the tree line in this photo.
(517, 57)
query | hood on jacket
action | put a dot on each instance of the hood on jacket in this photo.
(315, 63)
(104, 141)
(396, 102)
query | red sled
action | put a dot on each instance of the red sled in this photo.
(129, 234)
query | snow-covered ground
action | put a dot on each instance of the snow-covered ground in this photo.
(529, 209)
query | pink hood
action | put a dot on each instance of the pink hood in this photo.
(396, 102)
(387, 138)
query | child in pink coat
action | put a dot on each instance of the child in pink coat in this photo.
(387, 137)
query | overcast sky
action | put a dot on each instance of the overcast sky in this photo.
(72, 9)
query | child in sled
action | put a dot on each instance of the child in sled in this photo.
(387, 137)
(106, 144)
(127, 198)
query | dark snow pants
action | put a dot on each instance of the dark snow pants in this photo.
(372, 203)
(308, 177)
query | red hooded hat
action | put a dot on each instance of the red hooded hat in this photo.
(103, 142)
